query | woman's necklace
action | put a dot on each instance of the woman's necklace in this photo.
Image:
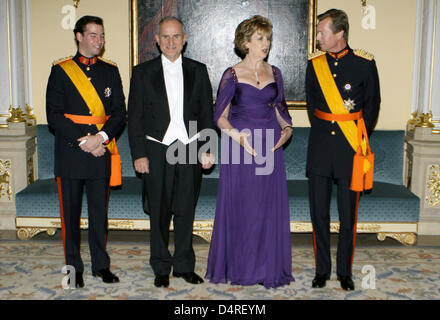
(255, 72)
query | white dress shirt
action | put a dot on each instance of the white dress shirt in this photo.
(173, 74)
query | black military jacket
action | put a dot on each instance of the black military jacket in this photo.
(62, 97)
(355, 73)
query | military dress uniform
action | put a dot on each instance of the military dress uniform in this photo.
(330, 156)
(76, 169)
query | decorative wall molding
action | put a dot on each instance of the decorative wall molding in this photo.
(5, 180)
(432, 198)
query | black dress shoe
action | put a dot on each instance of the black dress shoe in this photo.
(79, 281)
(106, 275)
(190, 277)
(346, 283)
(319, 281)
(162, 281)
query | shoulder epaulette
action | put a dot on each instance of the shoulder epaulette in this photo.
(108, 61)
(61, 60)
(315, 54)
(363, 54)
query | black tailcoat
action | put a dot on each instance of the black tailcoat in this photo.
(148, 109)
(168, 189)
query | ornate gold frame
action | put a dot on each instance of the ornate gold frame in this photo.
(405, 233)
(293, 105)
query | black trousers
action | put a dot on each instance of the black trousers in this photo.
(70, 193)
(320, 190)
(171, 190)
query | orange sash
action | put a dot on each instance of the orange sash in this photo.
(360, 181)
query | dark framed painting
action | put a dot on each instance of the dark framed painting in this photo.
(210, 26)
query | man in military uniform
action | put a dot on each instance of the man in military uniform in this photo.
(343, 99)
(85, 107)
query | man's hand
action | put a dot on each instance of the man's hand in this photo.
(286, 133)
(142, 165)
(100, 151)
(92, 142)
(207, 160)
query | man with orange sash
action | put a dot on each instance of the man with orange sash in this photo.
(85, 107)
(343, 99)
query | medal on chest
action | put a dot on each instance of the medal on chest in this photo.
(107, 92)
(347, 87)
(349, 104)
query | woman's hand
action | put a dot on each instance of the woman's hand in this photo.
(241, 138)
(236, 135)
(286, 133)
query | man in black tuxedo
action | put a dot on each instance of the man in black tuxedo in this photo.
(350, 79)
(85, 107)
(166, 94)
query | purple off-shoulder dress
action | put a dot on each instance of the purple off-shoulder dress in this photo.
(251, 237)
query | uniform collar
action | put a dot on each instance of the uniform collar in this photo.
(86, 61)
(340, 54)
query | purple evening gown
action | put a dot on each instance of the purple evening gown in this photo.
(251, 237)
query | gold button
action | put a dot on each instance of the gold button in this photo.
(88, 68)
(336, 64)
(89, 78)
(334, 75)
(90, 112)
(89, 134)
(333, 133)
(333, 121)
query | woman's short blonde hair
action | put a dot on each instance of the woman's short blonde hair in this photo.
(247, 28)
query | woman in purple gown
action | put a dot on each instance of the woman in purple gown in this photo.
(251, 237)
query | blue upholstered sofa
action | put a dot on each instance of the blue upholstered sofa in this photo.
(390, 210)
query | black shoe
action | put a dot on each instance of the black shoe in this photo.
(106, 275)
(79, 281)
(346, 283)
(162, 281)
(319, 281)
(190, 277)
